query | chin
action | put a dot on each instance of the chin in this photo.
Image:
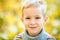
(34, 31)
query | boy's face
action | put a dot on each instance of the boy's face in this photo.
(33, 20)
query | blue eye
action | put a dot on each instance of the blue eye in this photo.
(37, 17)
(27, 18)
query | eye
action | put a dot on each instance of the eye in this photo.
(38, 18)
(27, 18)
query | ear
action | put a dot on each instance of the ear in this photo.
(45, 18)
(22, 19)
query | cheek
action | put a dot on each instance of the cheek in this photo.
(26, 23)
(40, 22)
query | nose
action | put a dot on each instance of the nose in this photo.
(32, 22)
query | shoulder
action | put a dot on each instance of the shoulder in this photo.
(19, 36)
(49, 37)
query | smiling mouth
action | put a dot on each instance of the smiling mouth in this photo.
(32, 27)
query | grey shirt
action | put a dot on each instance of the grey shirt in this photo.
(42, 36)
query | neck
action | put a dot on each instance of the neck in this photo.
(32, 34)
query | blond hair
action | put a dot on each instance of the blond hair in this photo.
(35, 3)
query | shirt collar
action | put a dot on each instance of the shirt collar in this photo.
(35, 37)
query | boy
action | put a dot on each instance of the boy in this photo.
(33, 17)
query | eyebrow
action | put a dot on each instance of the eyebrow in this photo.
(34, 16)
(38, 15)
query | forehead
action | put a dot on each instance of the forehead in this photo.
(32, 11)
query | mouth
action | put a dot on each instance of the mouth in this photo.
(32, 27)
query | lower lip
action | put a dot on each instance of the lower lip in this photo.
(32, 27)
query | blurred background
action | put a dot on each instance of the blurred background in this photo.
(11, 25)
